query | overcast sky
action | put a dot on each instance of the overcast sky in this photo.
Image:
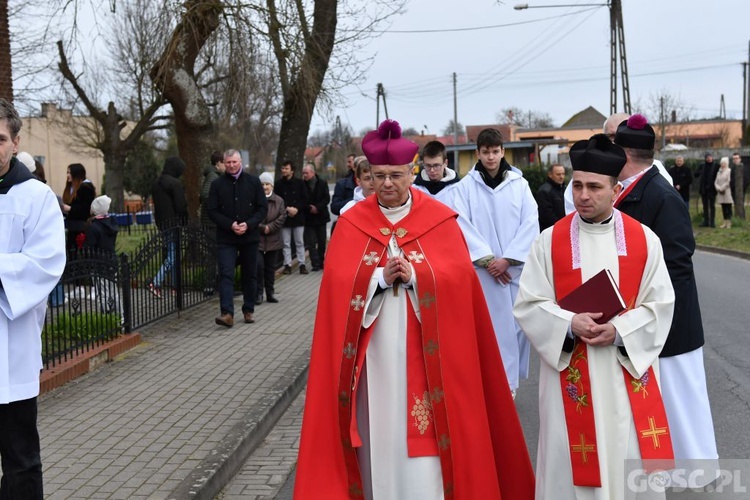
(692, 49)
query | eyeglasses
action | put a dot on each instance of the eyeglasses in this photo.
(432, 166)
(392, 177)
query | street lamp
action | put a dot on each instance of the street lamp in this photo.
(617, 39)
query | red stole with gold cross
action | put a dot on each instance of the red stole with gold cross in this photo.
(647, 406)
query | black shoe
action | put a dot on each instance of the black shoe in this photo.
(315, 269)
(303, 269)
(287, 270)
(259, 299)
(271, 299)
(703, 224)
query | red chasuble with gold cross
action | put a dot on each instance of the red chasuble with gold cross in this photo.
(476, 431)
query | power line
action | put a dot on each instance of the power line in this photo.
(478, 28)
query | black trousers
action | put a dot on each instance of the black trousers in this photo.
(267, 264)
(228, 259)
(709, 209)
(20, 451)
(726, 211)
(315, 239)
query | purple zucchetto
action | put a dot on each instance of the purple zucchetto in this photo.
(598, 155)
(635, 133)
(385, 146)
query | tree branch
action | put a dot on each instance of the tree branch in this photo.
(95, 112)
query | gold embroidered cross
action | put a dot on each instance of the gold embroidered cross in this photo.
(431, 347)
(357, 302)
(436, 395)
(444, 442)
(583, 448)
(415, 257)
(371, 258)
(349, 350)
(654, 432)
(427, 300)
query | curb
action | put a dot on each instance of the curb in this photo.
(80, 364)
(724, 251)
(227, 459)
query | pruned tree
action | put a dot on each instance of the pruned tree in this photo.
(175, 75)
(665, 111)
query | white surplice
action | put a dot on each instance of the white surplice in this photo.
(32, 259)
(388, 473)
(502, 222)
(643, 331)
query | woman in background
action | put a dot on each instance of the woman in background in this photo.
(723, 193)
(270, 241)
(77, 197)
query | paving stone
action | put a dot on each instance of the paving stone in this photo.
(139, 426)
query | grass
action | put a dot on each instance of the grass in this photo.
(736, 238)
(127, 243)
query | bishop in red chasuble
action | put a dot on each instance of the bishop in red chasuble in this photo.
(407, 395)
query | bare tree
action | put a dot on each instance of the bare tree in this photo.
(6, 77)
(526, 119)
(452, 128)
(664, 109)
(109, 131)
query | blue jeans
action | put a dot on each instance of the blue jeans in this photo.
(228, 260)
(168, 265)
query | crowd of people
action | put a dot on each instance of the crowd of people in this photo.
(434, 290)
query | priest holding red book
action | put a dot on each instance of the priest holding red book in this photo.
(600, 403)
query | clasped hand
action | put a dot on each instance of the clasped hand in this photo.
(397, 268)
(239, 228)
(590, 332)
(498, 269)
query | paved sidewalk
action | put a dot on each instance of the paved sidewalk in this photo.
(179, 415)
(270, 465)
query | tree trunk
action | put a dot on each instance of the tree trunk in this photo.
(114, 156)
(301, 94)
(6, 76)
(174, 74)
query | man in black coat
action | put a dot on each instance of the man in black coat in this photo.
(170, 211)
(682, 177)
(549, 197)
(237, 205)
(650, 199)
(317, 216)
(707, 172)
(293, 191)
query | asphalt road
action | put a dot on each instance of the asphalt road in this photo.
(723, 289)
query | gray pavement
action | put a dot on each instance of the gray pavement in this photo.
(179, 415)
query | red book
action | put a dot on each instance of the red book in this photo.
(599, 294)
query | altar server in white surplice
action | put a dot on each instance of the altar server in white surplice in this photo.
(32, 259)
(599, 402)
(499, 218)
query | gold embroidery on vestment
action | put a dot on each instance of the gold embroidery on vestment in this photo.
(422, 412)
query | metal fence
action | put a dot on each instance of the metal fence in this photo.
(102, 295)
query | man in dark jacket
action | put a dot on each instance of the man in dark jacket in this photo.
(707, 172)
(210, 174)
(549, 197)
(682, 177)
(170, 210)
(292, 190)
(343, 192)
(237, 205)
(650, 199)
(317, 217)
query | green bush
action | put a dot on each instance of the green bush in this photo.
(81, 327)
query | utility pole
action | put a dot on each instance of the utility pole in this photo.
(455, 125)
(617, 41)
(380, 93)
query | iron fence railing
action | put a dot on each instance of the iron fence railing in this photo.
(102, 295)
